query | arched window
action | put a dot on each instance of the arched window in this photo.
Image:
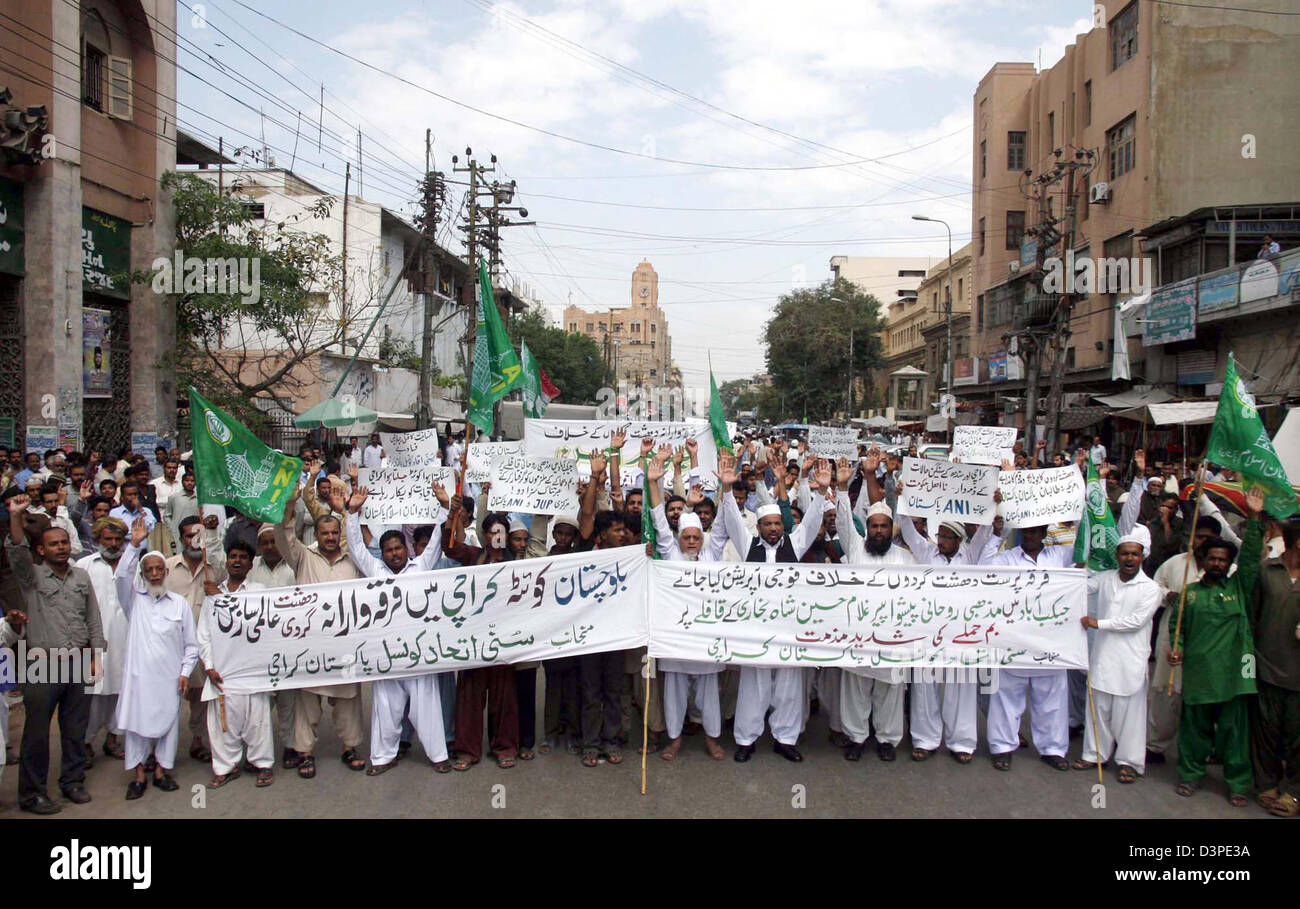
(106, 78)
(95, 51)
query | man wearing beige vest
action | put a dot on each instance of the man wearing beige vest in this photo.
(200, 553)
(327, 562)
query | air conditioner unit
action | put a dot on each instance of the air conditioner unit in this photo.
(1100, 192)
(1014, 267)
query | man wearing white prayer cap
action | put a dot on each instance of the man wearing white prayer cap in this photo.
(869, 697)
(681, 677)
(782, 689)
(1126, 604)
(161, 650)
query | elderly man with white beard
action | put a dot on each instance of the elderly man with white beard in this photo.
(680, 677)
(109, 535)
(161, 650)
(1126, 603)
(869, 696)
(393, 697)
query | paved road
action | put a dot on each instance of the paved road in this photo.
(556, 785)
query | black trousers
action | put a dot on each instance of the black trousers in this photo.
(526, 689)
(600, 676)
(40, 701)
(1275, 737)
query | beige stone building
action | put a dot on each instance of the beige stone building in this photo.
(1179, 107)
(633, 338)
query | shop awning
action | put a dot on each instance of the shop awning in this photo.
(1134, 398)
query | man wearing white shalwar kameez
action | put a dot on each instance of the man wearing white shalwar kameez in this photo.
(945, 712)
(782, 689)
(236, 722)
(109, 535)
(161, 650)
(682, 677)
(1048, 689)
(869, 696)
(1126, 603)
(393, 698)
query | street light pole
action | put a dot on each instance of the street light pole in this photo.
(849, 397)
(948, 317)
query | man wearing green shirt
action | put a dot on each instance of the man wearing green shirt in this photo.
(1216, 649)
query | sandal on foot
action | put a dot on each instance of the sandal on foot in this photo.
(1002, 762)
(1268, 798)
(353, 760)
(962, 757)
(526, 754)
(442, 766)
(670, 752)
(714, 749)
(614, 756)
(377, 769)
(1127, 774)
(1081, 764)
(1055, 761)
(463, 763)
(1186, 788)
(291, 759)
(1237, 800)
(200, 753)
(265, 777)
(505, 763)
(590, 758)
(307, 766)
(1285, 806)
(222, 778)
(544, 748)
(921, 754)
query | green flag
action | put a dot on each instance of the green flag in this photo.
(1239, 441)
(233, 467)
(648, 534)
(496, 367)
(534, 400)
(718, 417)
(1096, 536)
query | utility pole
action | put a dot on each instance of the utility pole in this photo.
(433, 190)
(343, 295)
(946, 406)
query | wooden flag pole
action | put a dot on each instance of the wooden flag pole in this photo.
(221, 695)
(645, 726)
(1096, 731)
(1187, 567)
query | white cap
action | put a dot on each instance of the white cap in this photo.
(1140, 535)
(769, 511)
(689, 521)
(564, 519)
(880, 508)
(517, 525)
(956, 527)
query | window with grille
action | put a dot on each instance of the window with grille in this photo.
(1051, 130)
(1016, 150)
(1121, 147)
(981, 236)
(1124, 36)
(984, 158)
(92, 78)
(1087, 103)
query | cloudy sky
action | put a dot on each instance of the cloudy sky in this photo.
(735, 144)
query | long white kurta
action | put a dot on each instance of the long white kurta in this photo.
(392, 697)
(944, 712)
(247, 716)
(111, 618)
(161, 647)
(868, 696)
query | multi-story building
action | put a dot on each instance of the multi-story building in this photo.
(1177, 106)
(635, 339)
(87, 128)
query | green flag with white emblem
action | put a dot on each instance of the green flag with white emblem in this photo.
(1097, 536)
(496, 366)
(234, 467)
(531, 386)
(1239, 441)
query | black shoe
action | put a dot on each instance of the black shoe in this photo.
(743, 753)
(134, 790)
(1155, 757)
(290, 759)
(853, 751)
(402, 748)
(789, 752)
(76, 794)
(886, 751)
(166, 782)
(40, 804)
(1055, 761)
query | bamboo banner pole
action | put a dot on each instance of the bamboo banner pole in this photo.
(207, 577)
(1096, 732)
(645, 727)
(1187, 567)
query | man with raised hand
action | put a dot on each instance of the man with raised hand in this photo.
(393, 697)
(680, 677)
(869, 696)
(782, 689)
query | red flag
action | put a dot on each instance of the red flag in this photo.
(548, 388)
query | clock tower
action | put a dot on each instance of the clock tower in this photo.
(645, 287)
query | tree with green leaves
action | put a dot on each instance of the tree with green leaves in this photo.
(236, 348)
(573, 362)
(808, 347)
